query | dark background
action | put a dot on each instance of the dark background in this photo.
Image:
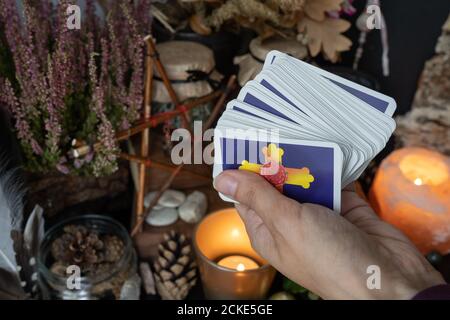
(413, 28)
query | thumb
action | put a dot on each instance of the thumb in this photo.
(256, 193)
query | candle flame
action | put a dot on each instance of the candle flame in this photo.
(240, 267)
(424, 169)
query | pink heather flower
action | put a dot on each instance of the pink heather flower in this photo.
(8, 97)
(15, 38)
(31, 61)
(91, 65)
(104, 73)
(107, 138)
(136, 53)
(55, 66)
(9, 13)
(106, 133)
(125, 124)
(52, 122)
(107, 153)
(78, 163)
(62, 168)
(38, 27)
(91, 20)
(89, 157)
(143, 16)
(346, 8)
(36, 147)
(118, 65)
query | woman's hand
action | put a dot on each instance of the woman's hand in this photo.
(323, 251)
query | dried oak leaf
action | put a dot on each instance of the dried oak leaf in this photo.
(316, 9)
(197, 24)
(325, 36)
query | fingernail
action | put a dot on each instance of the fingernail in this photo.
(226, 185)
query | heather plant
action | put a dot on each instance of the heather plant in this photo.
(62, 85)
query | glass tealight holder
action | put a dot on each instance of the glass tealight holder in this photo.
(229, 267)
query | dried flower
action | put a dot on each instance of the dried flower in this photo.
(8, 97)
(84, 83)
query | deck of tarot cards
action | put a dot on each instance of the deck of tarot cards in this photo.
(308, 132)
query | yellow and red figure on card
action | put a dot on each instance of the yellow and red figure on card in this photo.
(275, 173)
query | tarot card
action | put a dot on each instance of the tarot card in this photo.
(290, 165)
(376, 99)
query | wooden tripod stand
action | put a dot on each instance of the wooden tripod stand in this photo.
(181, 109)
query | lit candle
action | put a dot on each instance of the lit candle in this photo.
(239, 263)
(225, 255)
(424, 169)
(411, 191)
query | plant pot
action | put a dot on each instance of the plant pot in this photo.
(55, 191)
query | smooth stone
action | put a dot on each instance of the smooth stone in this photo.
(194, 208)
(162, 217)
(148, 199)
(172, 198)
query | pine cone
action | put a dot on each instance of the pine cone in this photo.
(113, 248)
(85, 248)
(175, 269)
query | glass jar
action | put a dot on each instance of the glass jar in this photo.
(71, 283)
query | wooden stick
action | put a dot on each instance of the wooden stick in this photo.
(165, 116)
(163, 74)
(139, 205)
(155, 164)
(218, 106)
(167, 184)
(146, 123)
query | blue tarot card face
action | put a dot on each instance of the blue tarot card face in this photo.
(375, 102)
(258, 103)
(266, 84)
(247, 113)
(307, 172)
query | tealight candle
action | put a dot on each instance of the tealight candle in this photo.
(238, 262)
(229, 267)
(424, 169)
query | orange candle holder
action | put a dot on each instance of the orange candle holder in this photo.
(229, 267)
(411, 191)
